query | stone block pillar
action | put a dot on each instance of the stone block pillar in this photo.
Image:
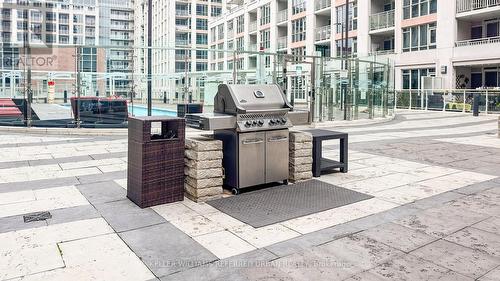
(300, 164)
(203, 169)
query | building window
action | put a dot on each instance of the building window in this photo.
(418, 8)
(201, 24)
(353, 17)
(265, 39)
(220, 31)
(299, 52)
(299, 30)
(352, 46)
(240, 24)
(420, 37)
(213, 34)
(201, 10)
(201, 66)
(240, 44)
(201, 39)
(215, 11)
(412, 78)
(265, 14)
(201, 54)
(298, 6)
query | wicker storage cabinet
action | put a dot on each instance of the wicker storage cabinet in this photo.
(155, 160)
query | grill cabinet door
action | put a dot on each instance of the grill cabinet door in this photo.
(277, 155)
(251, 159)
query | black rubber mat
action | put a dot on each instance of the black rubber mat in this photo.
(276, 204)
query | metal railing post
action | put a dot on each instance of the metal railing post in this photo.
(487, 102)
(463, 109)
(410, 101)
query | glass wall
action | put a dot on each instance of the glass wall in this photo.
(44, 86)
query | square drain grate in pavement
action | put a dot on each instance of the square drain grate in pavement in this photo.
(277, 204)
(38, 216)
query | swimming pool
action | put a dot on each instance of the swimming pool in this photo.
(143, 111)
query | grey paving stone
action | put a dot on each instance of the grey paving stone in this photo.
(73, 214)
(59, 160)
(124, 215)
(477, 239)
(399, 237)
(409, 267)
(165, 249)
(312, 265)
(437, 200)
(37, 184)
(108, 155)
(440, 222)
(466, 261)
(102, 177)
(491, 225)
(478, 187)
(13, 164)
(332, 233)
(233, 268)
(16, 223)
(102, 192)
(493, 275)
(485, 202)
(358, 250)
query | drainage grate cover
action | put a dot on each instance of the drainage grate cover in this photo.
(281, 203)
(38, 216)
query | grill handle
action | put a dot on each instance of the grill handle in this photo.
(252, 141)
(278, 139)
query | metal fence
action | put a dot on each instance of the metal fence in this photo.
(456, 100)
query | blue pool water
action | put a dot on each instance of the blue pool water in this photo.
(143, 111)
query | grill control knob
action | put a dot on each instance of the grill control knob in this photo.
(254, 123)
(283, 121)
(271, 122)
(248, 124)
(260, 123)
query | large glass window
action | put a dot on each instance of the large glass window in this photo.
(201, 10)
(418, 8)
(265, 39)
(352, 46)
(412, 77)
(265, 14)
(240, 24)
(353, 17)
(420, 37)
(298, 6)
(299, 30)
(202, 24)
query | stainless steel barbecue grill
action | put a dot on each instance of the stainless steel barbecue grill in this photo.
(253, 123)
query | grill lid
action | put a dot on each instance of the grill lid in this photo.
(240, 99)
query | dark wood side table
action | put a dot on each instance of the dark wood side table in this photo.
(321, 164)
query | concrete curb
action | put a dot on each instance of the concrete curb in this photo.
(124, 132)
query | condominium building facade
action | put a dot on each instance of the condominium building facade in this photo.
(456, 41)
(178, 25)
(52, 28)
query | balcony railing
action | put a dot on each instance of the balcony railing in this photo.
(382, 52)
(182, 13)
(472, 5)
(282, 15)
(252, 27)
(182, 42)
(182, 27)
(382, 20)
(323, 33)
(321, 4)
(481, 41)
(282, 42)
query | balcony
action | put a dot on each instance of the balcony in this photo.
(382, 52)
(480, 41)
(182, 27)
(322, 4)
(182, 57)
(282, 16)
(473, 5)
(252, 27)
(282, 42)
(382, 20)
(182, 13)
(323, 33)
(182, 42)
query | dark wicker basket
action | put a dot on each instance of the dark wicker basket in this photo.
(155, 164)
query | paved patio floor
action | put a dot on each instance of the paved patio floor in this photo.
(434, 215)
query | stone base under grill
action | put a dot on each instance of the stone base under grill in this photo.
(300, 163)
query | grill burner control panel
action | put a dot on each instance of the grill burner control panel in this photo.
(263, 123)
